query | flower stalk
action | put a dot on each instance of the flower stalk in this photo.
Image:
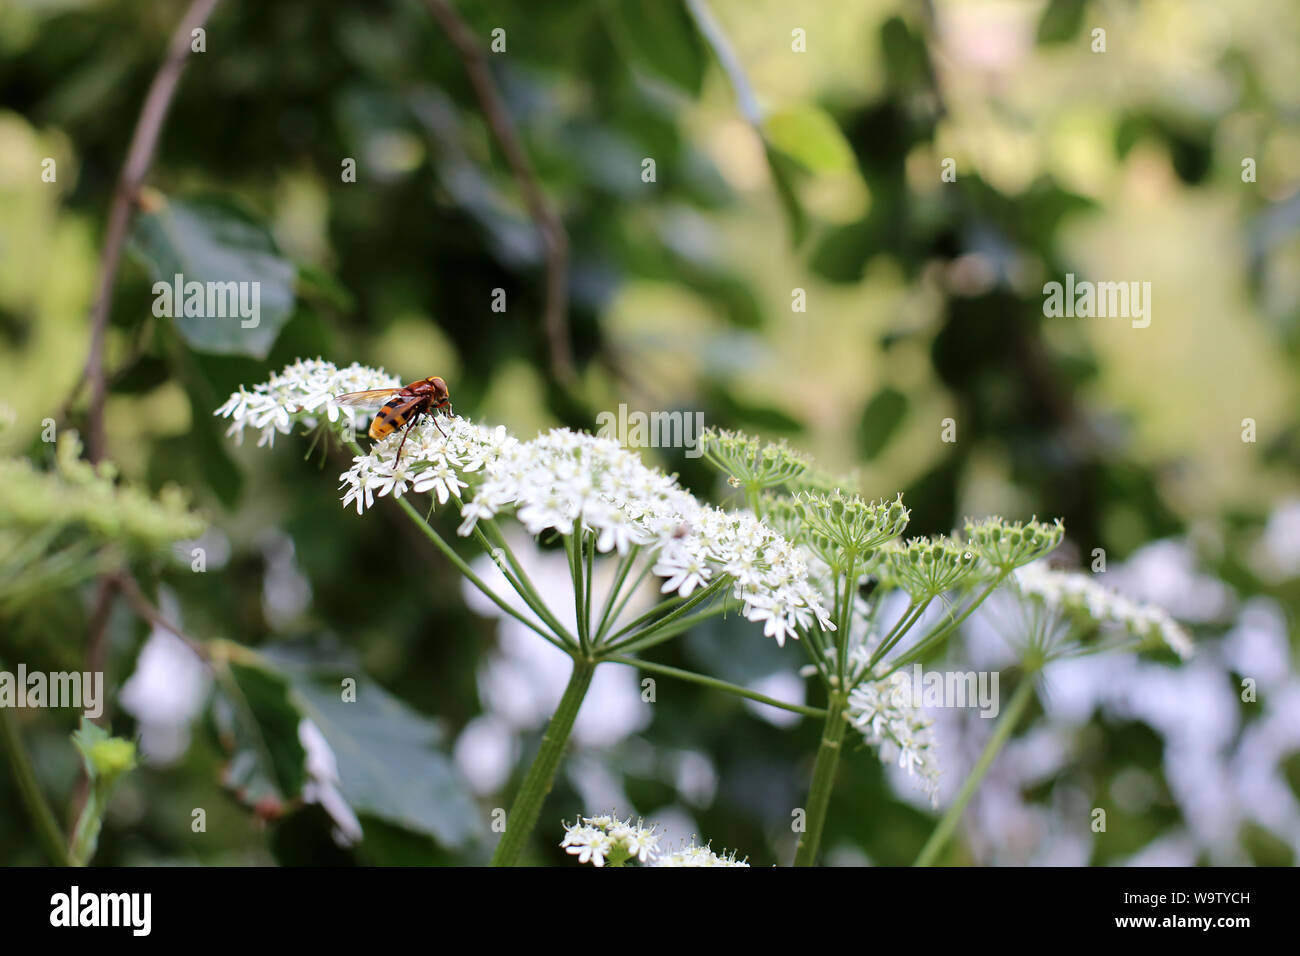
(1001, 734)
(823, 781)
(47, 828)
(537, 784)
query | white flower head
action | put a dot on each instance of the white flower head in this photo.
(596, 840)
(303, 393)
(564, 481)
(609, 839)
(693, 855)
(899, 732)
(1075, 593)
(572, 482)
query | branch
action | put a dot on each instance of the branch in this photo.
(139, 157)
(149, 612)
(548, 224)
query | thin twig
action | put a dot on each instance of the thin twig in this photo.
(139, 157)
(147, 610)
(47, 827)
(544, 217)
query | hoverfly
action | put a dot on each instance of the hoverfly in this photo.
(405, 406)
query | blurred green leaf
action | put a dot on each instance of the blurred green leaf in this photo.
(880, 420)
(261, 723)
(810, 137)
(388, 765)
(657, 36)
(1060, 21)
(211, 241)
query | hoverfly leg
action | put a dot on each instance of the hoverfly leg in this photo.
(402, 443)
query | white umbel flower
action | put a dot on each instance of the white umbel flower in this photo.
(564, 481)
(568, 481)
(303, 393)
(1077, 593)
(897, 730)
(608, 839)
(596, 840)
(693, 855)
(438, 459)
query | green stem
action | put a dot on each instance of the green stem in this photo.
(473, 578)
(1019, 701)
(574, 547)
(941, 631)
(620, 578)
(679, 609)
(541, 775)
(823, 780)
(715, 684)
(85, 835)
(904, 624)
(47, 829)
(520, 580)
(670, 631)
(627, 597)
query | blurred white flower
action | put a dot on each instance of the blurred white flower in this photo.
(322, 784)
(1277, 555)
(1076, 593)
(166, 692)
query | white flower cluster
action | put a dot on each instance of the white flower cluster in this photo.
(693, 855)
(564, 480)
(561, 480)
(1077, 593)
(606, 838)
(595, 839)
(436, 458)
(302, 393)
(889, 723)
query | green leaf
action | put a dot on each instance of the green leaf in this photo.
(1060, 21)
(880, 420)
(388, 767)
(810, 137)
(317, 285)
(209, 241)
(258, 718)
(783, 170)
(659, 38)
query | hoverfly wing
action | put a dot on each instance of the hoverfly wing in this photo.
(373, 396)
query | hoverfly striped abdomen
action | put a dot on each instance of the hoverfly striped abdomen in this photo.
(393, 416)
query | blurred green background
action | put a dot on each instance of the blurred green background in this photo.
(923, 302)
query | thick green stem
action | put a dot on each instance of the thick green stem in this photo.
(823, 780)
(541, 775)
(1019, 701)
(47, 828)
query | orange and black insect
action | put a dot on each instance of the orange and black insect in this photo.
(405, 406)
